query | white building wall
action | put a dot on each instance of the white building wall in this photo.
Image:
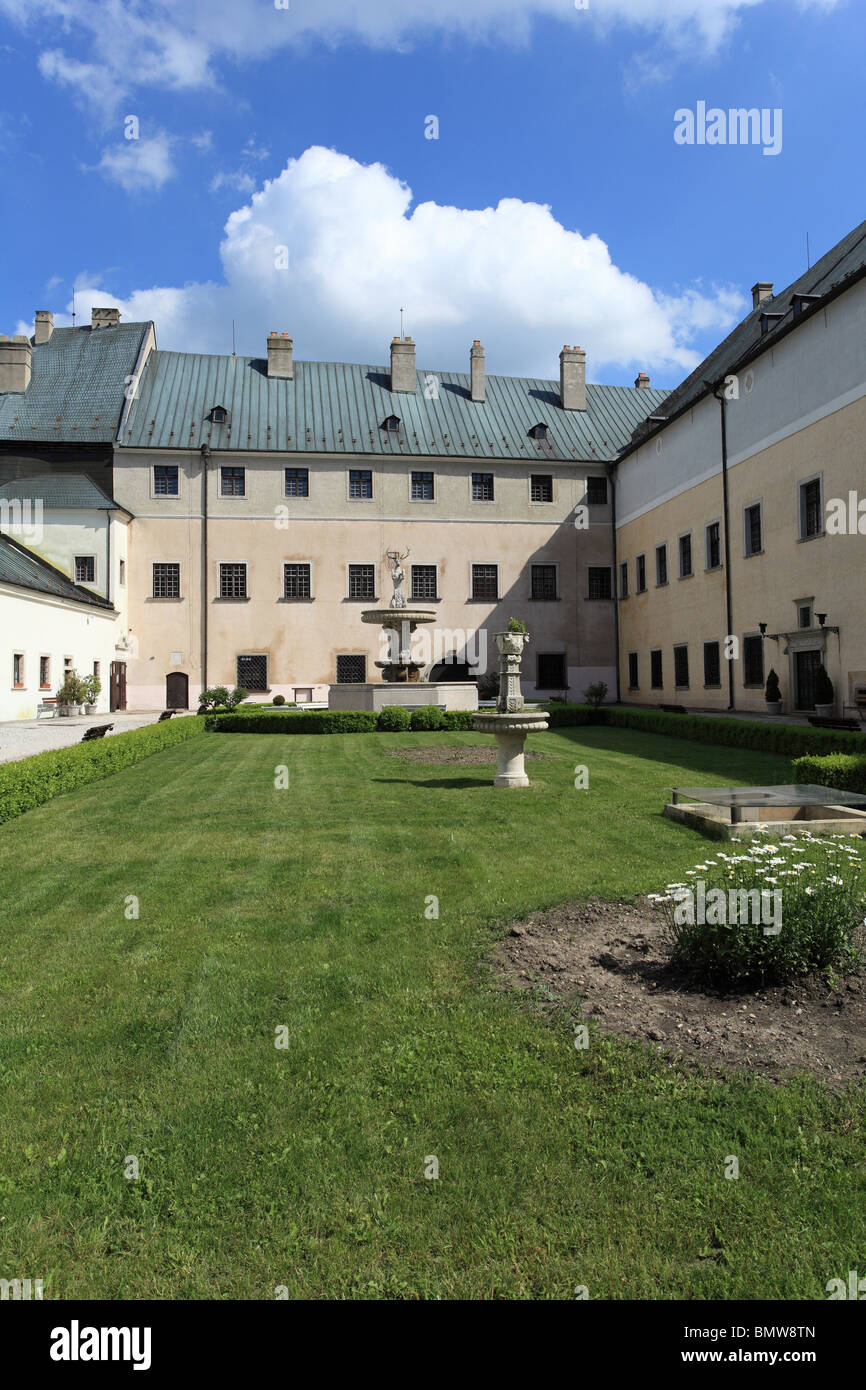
(37, 625)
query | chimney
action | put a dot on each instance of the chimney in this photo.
(642, 381)
(104, 318)
(44, 326)
(572, 378)
(761, 291)
(477, 385)
(15, 359)
(280, 360)
(403, 374)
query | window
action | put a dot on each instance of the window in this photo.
(754, 537)
(714, 545)
(67, 664)
(391, 424)
(252, 672)
(424, 581)
(810, 509)
(233, 584)
(633, 682)
(599, 582)
(351, 670)
(681, 667)
(541, 487)
(422, 487)
(232, 482)
(753, 661)
(18, 669)
(85, 569)
(804, 615)
(538, 431)
(712, 665)
(685, 556)
(482, 487)
(640, 574)
(297, 482)
(166, 581)
(165, 479)
(550, 671)
(542, 581)
(296, 581)
(362, 581)
(96, 670)
(122, 572)
(623, 579)
(661, 564)
(360, 482)
(596, 492)
(485, 581)
(45, 672)
(218, 415)
(656, 677)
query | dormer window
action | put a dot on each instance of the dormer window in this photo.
(218, 415)
(391, 424)
(769, 322)
(538, 431)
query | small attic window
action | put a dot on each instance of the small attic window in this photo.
(538, 431)
(391, 424)
(218, 415)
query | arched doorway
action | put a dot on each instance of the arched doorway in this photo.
(177, 691)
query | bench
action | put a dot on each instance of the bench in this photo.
(166, 714)
(819, 723)
(674, 709)
(50, 704)
(96, 731)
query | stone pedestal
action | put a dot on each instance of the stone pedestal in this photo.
(510, 732)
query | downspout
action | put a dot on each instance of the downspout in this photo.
(728, 605)
(611, 473)
(205, 460)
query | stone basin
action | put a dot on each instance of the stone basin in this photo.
(510, 731)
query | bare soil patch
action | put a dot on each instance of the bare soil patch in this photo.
(466, 753)
(611, 962)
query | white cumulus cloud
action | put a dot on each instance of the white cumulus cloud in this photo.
(139, 166)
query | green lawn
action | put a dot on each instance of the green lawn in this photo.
(304, 1166)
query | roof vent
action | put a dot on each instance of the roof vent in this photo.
(104, 318)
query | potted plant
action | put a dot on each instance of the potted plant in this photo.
(90, 686)
(70, 696)
(773, 694)
(514, 639)
(825, 698)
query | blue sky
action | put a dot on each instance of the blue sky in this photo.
(555, 205)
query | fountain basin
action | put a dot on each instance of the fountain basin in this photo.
(510, 732)
(410, 695)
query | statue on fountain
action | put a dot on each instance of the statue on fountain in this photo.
(398, 599)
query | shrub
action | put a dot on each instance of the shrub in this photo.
(215, 697)
(91, 687)
(427, 717)
(845, 771)
(516, 625)
(320, 721)
(32, 781)
(393, 719)
(595, 694)
(72, 691)
(488, 685)
(279, 699)
(459, 719)
(237, 697)
(824, 694)
(773, 692)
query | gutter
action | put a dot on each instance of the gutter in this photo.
(205, 460)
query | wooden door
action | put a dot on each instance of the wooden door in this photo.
(177, 690)
(117, 685)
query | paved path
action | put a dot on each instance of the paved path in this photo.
(20, 738)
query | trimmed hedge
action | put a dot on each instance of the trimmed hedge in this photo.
(33, 781)
(844, 771)
(795, 740)
(393, 719)
(323, 721)
(427, 717)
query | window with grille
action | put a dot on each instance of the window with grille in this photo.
(45, 672)
(714, 545)
(424, 583)
(85, 569)
(485, 581)
(166, 581)
(233, 581)
(252, 672)
(351, 670)
(656, 672)
(18, 668)
(550, 671)
(362, 581)
(712, 664)
(599, 582)
(753, 661)
(232, 482)
(661, 564)
(623, 579)
(685, 556)
(754, 530)
(360, 482)
(422, 487)
(296, 581)
(297, 482)
(541, 487)
(681, 667)
(633, 682)
(482, 487)
(596, 492)
(543, 581)
(810, 509)
(640, 574)
(165, 479)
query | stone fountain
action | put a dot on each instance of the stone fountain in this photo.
(511, 722)
(401, 682)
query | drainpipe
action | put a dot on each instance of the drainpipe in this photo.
(205, 460)
(728, 605)
(611, 474)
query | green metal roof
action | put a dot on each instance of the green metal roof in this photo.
(26, 570)
(76, 390)
(60, 490)
(338, 407)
